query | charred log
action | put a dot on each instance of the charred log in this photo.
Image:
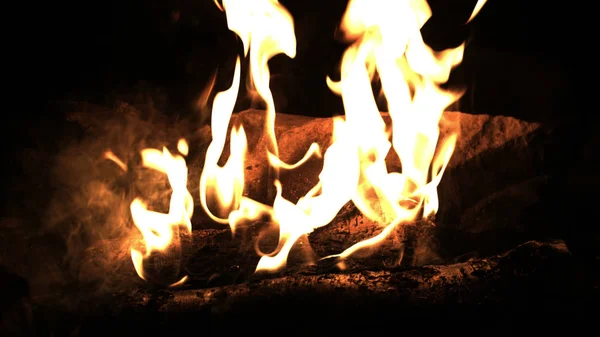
(536, 277)
(426, 284)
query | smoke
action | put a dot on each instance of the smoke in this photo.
(81, 233)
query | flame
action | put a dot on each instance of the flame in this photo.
(478, 7)
(387, 40)
(158, 228)
(113, 157)
(266, 29)
(226, 182)
(386, 43)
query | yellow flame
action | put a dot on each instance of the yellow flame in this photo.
(388, 39)
(320, 205)
(180, 282)
(226, 182)
(266, 29)
(158, 228)
(386, 42)
(478, 7)
(182, 147)
(313, 150)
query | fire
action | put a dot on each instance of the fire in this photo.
(158, 229)
(386, 44)
(476, 10)
(266, 29)
(388, 40)
(226, 182)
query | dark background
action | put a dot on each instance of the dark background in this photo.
(515, 63)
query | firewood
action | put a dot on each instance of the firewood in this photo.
(492, 153)
(216, 257)
(508, 138)
(432, 283)
(496, 279)
(92, 197)
(537, 276)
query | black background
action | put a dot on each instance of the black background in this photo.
(92, 50)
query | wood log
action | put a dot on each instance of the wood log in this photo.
(426, 284)
(93, 195)
(497, 161)
(478, 135)
(477, 194)
(89, 210)
(491, 154)
(215, 257)
(538, 277)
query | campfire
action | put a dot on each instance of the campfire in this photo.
(389, 172)
(399, 202)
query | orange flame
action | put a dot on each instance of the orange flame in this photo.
(387, 42)
(158, 228)
(266, 29)
(476, 10)
(227, 182)
(112, 157)
(388, 39)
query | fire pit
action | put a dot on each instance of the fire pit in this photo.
(412, 213)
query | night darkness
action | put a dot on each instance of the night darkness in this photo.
(94, 51)
(518, 62)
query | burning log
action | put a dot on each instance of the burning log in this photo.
(535, 277)
(478, 215)
(274, 171)
(479, 135)
(482, 141)
(496, 158)
(474, 181)
(392, 189)
(426, 284)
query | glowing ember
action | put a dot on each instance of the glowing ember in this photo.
(386, 41)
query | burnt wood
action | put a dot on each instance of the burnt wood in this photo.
(519, 289)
